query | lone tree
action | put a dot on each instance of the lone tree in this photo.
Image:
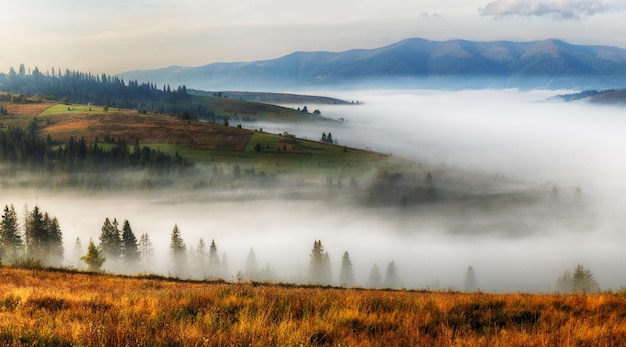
(319, 265)
(469, 283)
(177, 251)
(346, 276)
(94, 258)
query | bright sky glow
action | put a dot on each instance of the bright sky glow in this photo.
(120, 35)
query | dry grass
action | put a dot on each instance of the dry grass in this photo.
(61, 123)
(59, 308)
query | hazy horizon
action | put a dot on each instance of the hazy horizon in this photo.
(119, 36)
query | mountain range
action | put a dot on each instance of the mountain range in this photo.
(414, 63)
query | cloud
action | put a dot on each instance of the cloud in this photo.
(556, 9)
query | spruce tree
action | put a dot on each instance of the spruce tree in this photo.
(583, 281)
(78, 251)
(54, 241)
(10, 238)
(251, 271)
(147, 252)
(391, 280)
(36, 235)
(130, 249)
(375, 279)
(110, 241)
(470, 283)
(214, 261)
(319, 265)
(346, 276)
(201, 259)
(178, 252)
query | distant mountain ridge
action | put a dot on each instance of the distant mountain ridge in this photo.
(415, 62)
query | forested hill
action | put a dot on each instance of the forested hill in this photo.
(605, 97)
(85, 88)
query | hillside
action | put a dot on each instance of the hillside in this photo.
(275, 98)
(224, 154)
(89, 309)
(415, 63)
(599, 97)
(85, 88)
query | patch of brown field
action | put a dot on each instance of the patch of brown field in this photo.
(149, 129)
(236, 106)
(26, 109)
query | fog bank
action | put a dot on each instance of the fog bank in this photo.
(520, 241)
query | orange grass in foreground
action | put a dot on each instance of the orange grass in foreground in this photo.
(62, 308)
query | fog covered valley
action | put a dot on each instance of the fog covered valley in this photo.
(519, 189)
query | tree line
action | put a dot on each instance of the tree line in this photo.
(78, 162)
(105, 90)
(39, 241)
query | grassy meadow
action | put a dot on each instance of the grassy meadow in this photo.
(62, 308)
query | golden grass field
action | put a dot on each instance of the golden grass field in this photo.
(61, 308)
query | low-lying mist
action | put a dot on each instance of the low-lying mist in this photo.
(526, 190)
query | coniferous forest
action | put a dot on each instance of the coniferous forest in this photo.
(84, 88)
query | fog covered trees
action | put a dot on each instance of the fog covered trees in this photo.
(130, 248)
(346, 275)
(177, 252)
(469, 283)
(43, 238)
(375, 279)
(147, 252)
(10, 237)
(392, 279)
(319, 265)
(111, 242)
(581, 281)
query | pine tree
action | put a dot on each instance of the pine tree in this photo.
(94, 258)
(201, 258)
(319, 265)
(177, 252)
(470, 283)
(54, 244)
(214, 261)
(10, 238)
(110, 241)
(77, 254)
(36, 235)
(346, 276)
(375, 279)
(583, 281)
(251, 271)
(391, 277)
(130, 249)
(565, 283)
(147, 252)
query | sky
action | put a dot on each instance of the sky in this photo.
(115, 36)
